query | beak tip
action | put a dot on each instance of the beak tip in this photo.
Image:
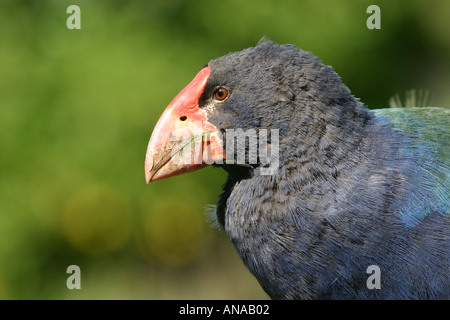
(147, 177)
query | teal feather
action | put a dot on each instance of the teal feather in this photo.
(428, 149)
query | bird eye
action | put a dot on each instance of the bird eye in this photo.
(221, 94)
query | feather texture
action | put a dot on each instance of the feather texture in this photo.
(354, 187)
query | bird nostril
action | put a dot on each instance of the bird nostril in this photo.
(183, 118)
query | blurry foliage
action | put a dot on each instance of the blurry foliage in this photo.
(77, 108)
(96, 219)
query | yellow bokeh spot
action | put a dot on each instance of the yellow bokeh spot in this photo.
(97, 219)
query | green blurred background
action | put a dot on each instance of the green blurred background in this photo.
(77, 108)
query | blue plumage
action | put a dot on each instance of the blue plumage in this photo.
(354, 189)
(427, 146)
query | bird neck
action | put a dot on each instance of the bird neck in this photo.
(326, 134)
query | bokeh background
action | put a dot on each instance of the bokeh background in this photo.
(77, 108)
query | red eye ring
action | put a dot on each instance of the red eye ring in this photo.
(221, 94)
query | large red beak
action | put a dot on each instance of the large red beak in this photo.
(183, 140)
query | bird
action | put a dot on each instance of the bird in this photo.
(335, 188)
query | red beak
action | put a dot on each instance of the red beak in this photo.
(183, 140)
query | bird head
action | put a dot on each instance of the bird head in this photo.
(269, 87)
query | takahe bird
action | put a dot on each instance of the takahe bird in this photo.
(351, 188)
